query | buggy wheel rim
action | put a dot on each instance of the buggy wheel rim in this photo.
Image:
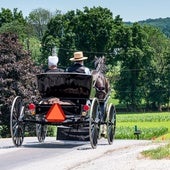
(93, 123)
(111, 123)
(16, 123)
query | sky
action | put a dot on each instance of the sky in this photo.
(129, 10)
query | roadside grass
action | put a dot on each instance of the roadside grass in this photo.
(162, 152)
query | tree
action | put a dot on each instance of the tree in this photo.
(158, 86)
(6, 16)
(17, 28)
(52, 36)
(39, 19)
(33, 44)
(14, 22)
(68, 39)
(119, 40)
(134, 56)
(88, 31)
(93, 30)
(17, 76)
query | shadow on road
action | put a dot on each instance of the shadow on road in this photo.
(54, 144)
(32, 142)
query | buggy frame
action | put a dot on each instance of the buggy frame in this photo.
(67, 103)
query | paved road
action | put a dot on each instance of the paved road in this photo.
(69, 155)
(32, 151)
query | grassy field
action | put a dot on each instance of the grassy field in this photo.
(152, 125)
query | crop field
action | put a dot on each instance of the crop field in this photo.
(151, 125)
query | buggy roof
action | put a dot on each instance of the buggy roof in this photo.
(64, 85)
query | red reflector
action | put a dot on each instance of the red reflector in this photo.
(31, 106)
(86, 107)
(55, 114)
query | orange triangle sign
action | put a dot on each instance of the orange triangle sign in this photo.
(55, 114)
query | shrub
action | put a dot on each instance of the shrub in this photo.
(17, 75)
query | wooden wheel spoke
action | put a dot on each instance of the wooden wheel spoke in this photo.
(14, 125)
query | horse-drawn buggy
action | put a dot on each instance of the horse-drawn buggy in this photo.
(67, 103)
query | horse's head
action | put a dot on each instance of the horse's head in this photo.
(99, 64)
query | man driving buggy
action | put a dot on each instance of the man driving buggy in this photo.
(78, 65)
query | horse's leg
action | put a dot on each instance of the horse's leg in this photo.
(102, 111)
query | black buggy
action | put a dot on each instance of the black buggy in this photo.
(67, 103)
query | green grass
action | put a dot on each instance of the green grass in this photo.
(145, 124)
(144, 117)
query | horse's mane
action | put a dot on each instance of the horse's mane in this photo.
(99, 63)
(100, 82)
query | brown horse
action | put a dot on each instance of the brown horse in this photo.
(100, 82)
(102, 89)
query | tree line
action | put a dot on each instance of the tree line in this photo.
(137, 56)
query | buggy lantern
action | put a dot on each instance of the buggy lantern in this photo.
(31, 108)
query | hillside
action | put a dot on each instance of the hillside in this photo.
(162, 23)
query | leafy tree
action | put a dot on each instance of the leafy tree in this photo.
(39, 19)
(163, 24)
(68, 39)
(93, 30)
(33, 45)
(14, 22)
(18, 16)
(52, 36)
(158, 85)
(6, 16)
(17, 76)
(88, 31)
(17, 28)
(120, 39)
(134, 56)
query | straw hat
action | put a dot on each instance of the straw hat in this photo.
(78, 56)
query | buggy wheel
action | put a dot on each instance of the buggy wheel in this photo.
(17, 126)
(41, 131)
(94, 123)
(111, 123)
